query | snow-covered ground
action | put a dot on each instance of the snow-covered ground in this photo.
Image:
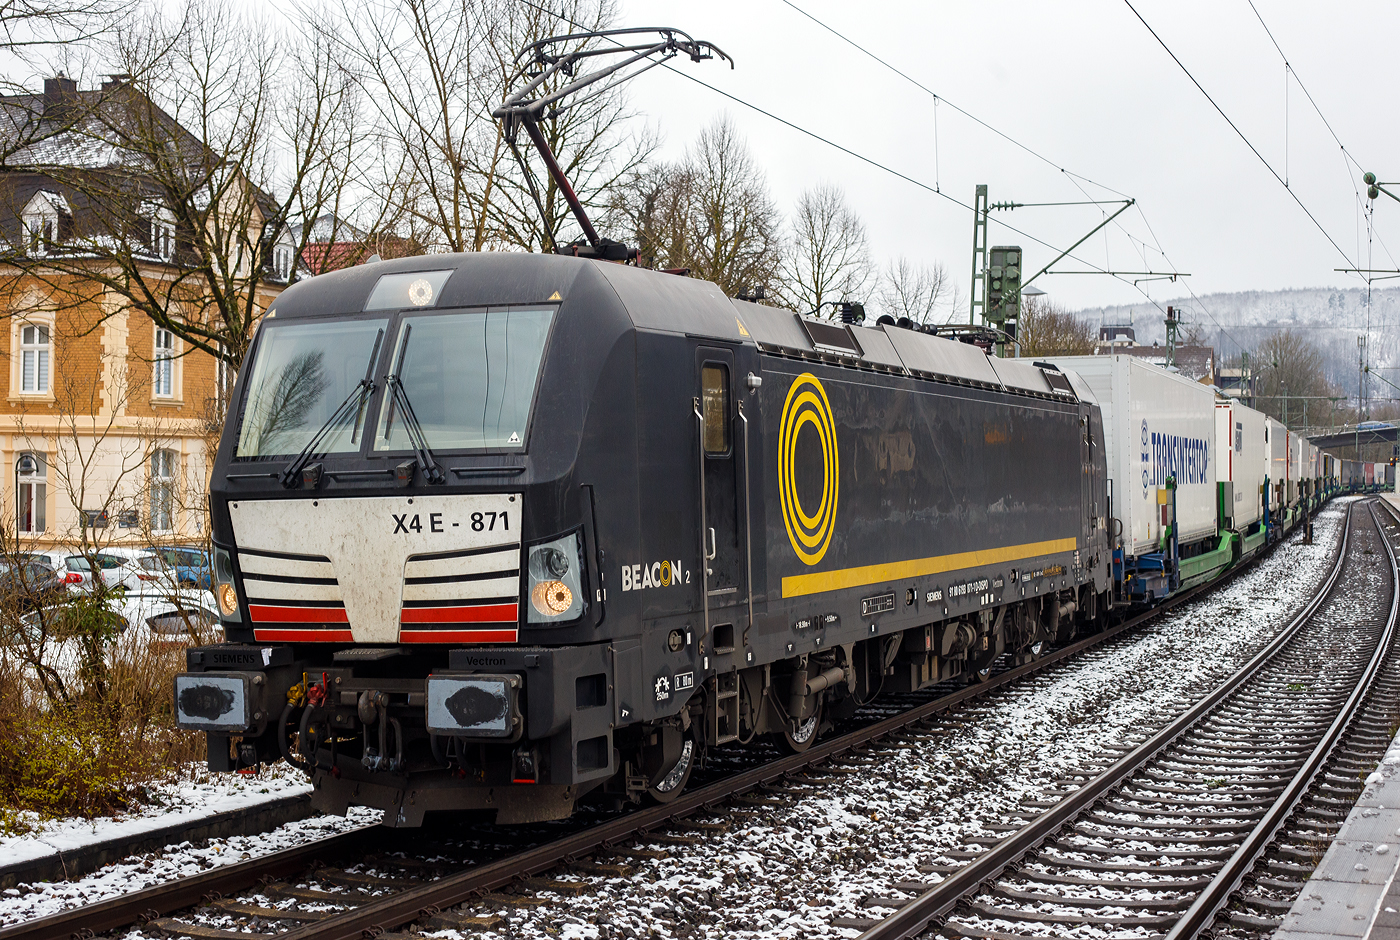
(793, 869)
(788, 870)
(177, 803)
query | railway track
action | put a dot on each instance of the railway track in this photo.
(1215, 821)
(358, 881)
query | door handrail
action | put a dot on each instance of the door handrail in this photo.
(704, 518)
(748, 521)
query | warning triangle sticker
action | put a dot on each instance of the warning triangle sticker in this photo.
(555, 296)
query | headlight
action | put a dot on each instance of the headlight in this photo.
(224, 588)
(556, 590)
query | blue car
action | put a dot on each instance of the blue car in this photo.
(191, 566)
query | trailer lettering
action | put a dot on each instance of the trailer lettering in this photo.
(1172, 456)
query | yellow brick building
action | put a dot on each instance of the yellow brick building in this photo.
(108, 418)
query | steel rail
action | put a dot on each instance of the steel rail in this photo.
(1202, 912)
(395, 910)
(152, 902)
(938, 901)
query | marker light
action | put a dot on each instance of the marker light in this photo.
(224, 590)
(552, 598)
(228, 600)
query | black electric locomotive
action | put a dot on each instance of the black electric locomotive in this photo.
(501, 532)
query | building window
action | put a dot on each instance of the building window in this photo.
(163, 463)
(32, 471)
(282, 261)
(155, 230)
(41, 232)
(164, 364)
(34, 358)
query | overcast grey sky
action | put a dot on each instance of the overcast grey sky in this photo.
(1087, 86)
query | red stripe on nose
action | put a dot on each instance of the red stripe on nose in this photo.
(478, 613)
(261, 613)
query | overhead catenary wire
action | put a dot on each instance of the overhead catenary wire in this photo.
(1233, 126)
(1074, 178)
(867, 160)
(1348, 161)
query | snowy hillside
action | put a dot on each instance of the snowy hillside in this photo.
(1332, 318)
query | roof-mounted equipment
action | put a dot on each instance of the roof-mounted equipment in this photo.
(542, 61)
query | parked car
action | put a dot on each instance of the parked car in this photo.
(108, 566)
(144, 574)
(191, 565)
(78, 574)
(29, 585)
(186, 617)
(52, 557)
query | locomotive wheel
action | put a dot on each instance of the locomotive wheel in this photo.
(796, 742)
(1031, 653)
(669, 783)
(979, 669)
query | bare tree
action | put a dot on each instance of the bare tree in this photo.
(439, 173)
(710, 214)
(424, 68)
(1289, 376)
(1045, 329)
(43, 24)
(919, 292)
(828, 257)
(161, 193)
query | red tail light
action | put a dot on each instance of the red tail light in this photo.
(148, 577)
(72, 577)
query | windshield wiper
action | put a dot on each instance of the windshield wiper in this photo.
(353, 403)
(432, 471)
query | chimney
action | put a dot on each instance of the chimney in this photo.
(60, 94)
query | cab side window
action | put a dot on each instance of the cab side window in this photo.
(714, 403)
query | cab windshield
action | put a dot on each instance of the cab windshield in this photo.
(301, 374)
(468, 377)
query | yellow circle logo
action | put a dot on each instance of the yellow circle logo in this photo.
(809, 533)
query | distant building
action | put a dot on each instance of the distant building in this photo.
(1115, 337)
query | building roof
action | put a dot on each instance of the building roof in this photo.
(90, 158)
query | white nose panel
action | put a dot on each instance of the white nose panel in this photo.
(468, 540)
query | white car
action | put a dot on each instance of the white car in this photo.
(142, 621)
(145, 573)
(181, 617)
(108, 562)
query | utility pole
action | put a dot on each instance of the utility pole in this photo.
(1360, 394)
(979, 252)
(1172, 323)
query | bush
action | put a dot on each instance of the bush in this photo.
(89, 754)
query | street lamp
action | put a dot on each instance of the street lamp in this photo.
(25, 464)
(1029, 292)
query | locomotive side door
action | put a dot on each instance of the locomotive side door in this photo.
(720, 435)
